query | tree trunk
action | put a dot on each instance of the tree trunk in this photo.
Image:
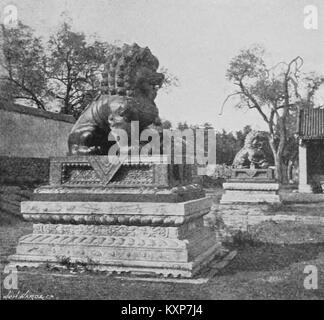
(278, 168)
(285, 174)
(281, 169)
(290, 172)
(280, 172)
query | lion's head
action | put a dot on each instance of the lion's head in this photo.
(256, 141)
(131, 75)
(132, 71)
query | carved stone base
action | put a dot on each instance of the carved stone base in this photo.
(250, 193)
(141, 237)
(120, 254)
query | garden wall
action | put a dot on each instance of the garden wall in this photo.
(28, 138)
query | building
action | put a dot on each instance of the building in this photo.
(311, 149)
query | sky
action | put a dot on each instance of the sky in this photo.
(195, 40)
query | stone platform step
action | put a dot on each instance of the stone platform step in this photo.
(81, 194)
(75, 270)
(155, 261)
(241, 217)
(249, 192)
(125, 213)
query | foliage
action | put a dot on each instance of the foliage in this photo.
(182, 126)
(166, 124)
(170, 80)
(275, 93)
(23, 65)
(222, 171)
(74, 68)
(66, 71)
(228, 144)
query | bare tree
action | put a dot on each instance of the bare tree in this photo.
(272, 92)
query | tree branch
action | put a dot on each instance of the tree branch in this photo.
(227, 98)
(254, 101)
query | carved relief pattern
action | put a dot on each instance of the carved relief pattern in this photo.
(78, 173)
(104, 255)
(105, 249)
(134, 174)
(108, 241)
(100, 230)
(104, 168)
(111, 219)
(99, 173)
(180, 232)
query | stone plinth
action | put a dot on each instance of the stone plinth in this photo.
(150, 224)
(241, 217)
(251, 186)
(250, 193)
(252, 175)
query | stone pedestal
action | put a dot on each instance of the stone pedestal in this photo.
(248, 197)
(251, 186)
(119, 217)
(250, 193)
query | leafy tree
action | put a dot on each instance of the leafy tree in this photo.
(273, 92)
(226, 147)
(182, 125)
(241, 135)
(74, 68)
(166, 124)
(68, 69)
(170, 80)
(227, 143)
(23, 65)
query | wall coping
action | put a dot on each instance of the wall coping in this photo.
(36, 112)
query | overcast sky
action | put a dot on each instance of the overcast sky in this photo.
(195, 40)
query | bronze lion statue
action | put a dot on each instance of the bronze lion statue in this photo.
(253, 154)
(129, 88)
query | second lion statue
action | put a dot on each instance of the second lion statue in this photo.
(253, 154)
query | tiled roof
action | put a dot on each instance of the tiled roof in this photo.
(311, 123)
